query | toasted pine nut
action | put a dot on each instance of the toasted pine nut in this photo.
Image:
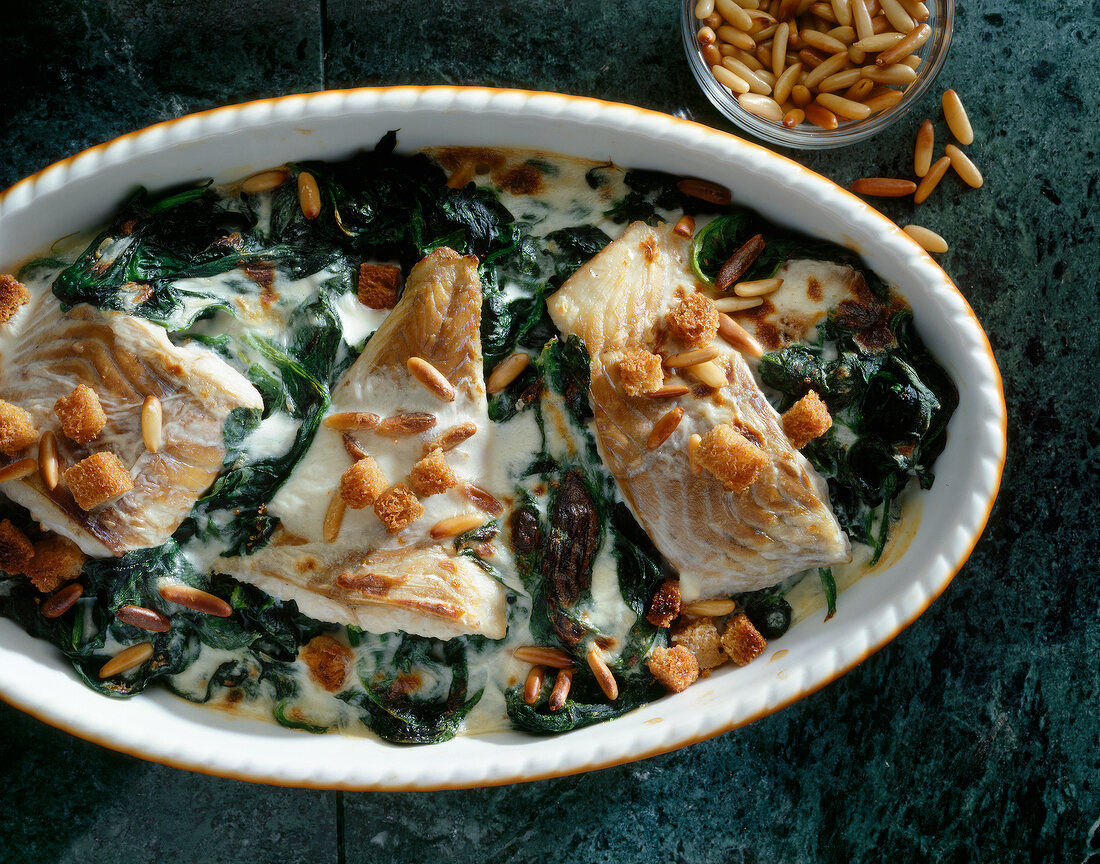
(779, 48)
(793, 117)
(669, 391)
(915, 9)
(532, 687)
(334, 517)
(898, 73)
(928, 240)
(957, 121)
(602, 673)
(727, 79)
(884, 187)
(820, 116)
(737, 38)
(480, 498)
(784, 84)
(761, 106)
(664, 427)
(706, 36)
(309, 195)
(451, 438)
(60, 602)
(127, 659)
(857, 56)
(18, 470)
(905, 46)
(880, 24)
(860, 90)
(912, 61)
(542, 656)
(826, 43)
(355, 451)
(507, 371)
(826, 68)
(740, 261)
(861, 20)
(756, 84)
(812, 58)
(922, 152)
(703, 8)
(561, 689)
(456, 525)
(897, 16)
(847, 35)
(711, 608)
(47, 460)
(710, 373)
(432, 379)
(152, 424)
(265, 181)
(737, 336)
(712, 56)
(683, 359)
(685, 226)
(966, 169)
(143, 618)
(737, 304)
(407, 423)
(713, 20)
(801, 96)
(757, 287)
(882, 101)
(693, 444)
(932, 179)
(823, 11)
(197, 599)
(351, 421)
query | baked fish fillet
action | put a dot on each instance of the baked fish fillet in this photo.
(407, 581)
(124, 359)
(720, 542)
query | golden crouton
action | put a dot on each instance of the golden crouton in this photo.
(640, 372)
(694, 321)
(13, 294)
(81, 415)
(741, 641)
(676, 668)
(805, 420)
(362, 483)
(700, 637)
(100, 478)
(731, 457)
(398, 508)
(16, 549)
(432, 475)
(16, 429)
(665, 605)
(328, 660)
(378, 284)
(56, 562)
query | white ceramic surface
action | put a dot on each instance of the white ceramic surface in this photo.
(232, 142)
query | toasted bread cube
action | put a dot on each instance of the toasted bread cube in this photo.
(700, 637)
(13, 295)
(56, 562)
(100, 478)
(665, 605)
(81, 415)
(694, 321)
(676, 668)
(378, 285)
(731, 457)
(640, 372)
(806, 419)
(432, 475)
(16, 549)
(328, 660)
(16, 429)
(362, 483)
(742, 641)
(398, 508)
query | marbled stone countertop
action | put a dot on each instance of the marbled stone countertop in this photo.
(974, 736)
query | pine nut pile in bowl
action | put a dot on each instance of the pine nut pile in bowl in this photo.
(815, 74)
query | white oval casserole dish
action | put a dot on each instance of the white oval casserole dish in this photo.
(229, 143)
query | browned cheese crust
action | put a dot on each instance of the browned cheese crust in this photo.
(328, 660)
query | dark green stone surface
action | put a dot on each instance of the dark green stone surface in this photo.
(974, 736)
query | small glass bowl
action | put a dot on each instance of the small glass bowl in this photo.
(807, 136)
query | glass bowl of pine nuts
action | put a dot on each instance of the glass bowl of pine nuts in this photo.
(814, 74)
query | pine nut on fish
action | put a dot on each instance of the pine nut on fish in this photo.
(966, 169)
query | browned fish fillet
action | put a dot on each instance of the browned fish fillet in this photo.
(368, 577)
(721, 542)
(124, 360)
